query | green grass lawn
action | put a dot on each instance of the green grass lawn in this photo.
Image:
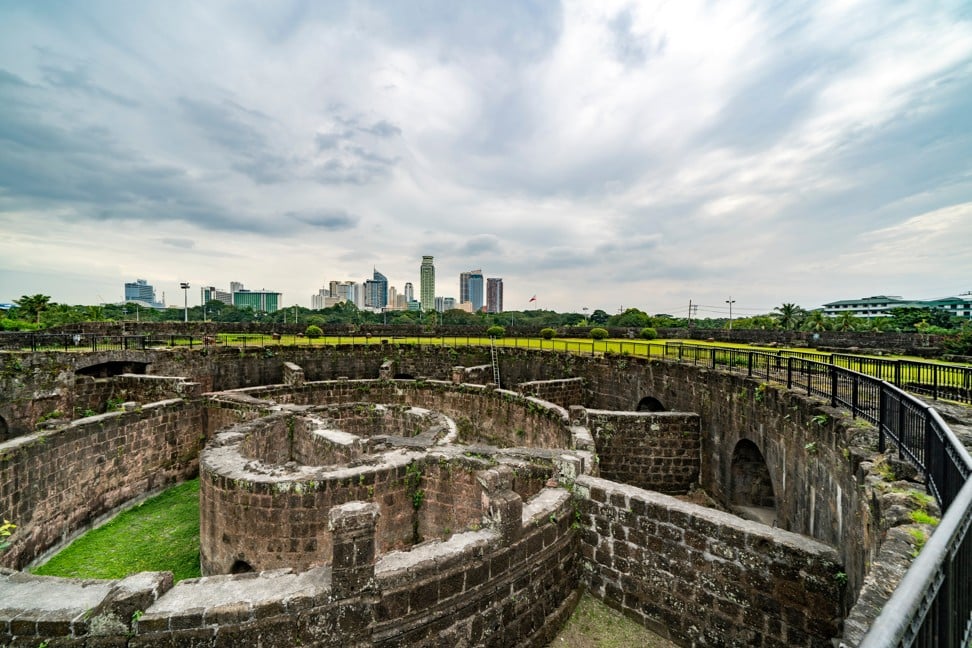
(160, 534)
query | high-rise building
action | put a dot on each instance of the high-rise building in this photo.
(471, 289)
(235, 286)
(143, 292)
(427, 284)
(494, 295)
(319, 300)
(376, 291)
(212, 293)
(409, 291)
(448, 303)
(392, 298)
(264, 301)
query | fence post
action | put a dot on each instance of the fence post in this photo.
(854, 396)
(712, 353)
(833, 386)
(789, 372)
(935, 381)
(749, 362)
(882, 405)
(897, 373)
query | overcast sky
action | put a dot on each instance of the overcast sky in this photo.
(598, 154)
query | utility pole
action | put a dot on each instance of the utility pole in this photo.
(185, 295)
(730, 301)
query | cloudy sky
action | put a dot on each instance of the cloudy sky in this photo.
(599, 154)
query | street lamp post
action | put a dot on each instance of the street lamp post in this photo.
(730, 301)
(586, 323)
(185, 294)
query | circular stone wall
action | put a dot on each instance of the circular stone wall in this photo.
(266, 485)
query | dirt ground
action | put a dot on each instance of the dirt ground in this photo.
(595, 625)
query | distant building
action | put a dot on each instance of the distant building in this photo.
(427, 284)
(212, 293)
(263, 301)
(376, 291)
(143, 293)
(319, 300)
(392, 298)
(471, 289)
(494, 295)
(881, 306)
(448, 303)
(409, 292)
(414, 305)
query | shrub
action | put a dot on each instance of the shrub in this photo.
(496, 331)
(960, 344)
(649, 333)
(313, 331)
(547, 333)
(599, 333)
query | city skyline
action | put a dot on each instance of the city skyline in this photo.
(603, 156)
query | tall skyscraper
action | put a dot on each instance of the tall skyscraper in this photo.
(409, 292)
(494, 295)
(143, 292)
(376, 291)
(471, 289)
(427, 284)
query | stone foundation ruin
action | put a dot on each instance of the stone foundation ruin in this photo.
(371, 511)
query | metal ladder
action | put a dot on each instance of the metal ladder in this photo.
(492, 354)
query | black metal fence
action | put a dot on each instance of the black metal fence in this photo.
(70, 342)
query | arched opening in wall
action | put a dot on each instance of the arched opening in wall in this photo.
(4, 429)
(751, 487)
(241, 567)
(115, 368)
(650, 404)
(404, 376)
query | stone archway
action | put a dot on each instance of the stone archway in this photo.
(4, 429)
(650, 404)
(751, 492)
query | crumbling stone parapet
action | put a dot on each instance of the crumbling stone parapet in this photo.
(353, 562)
(292, 374)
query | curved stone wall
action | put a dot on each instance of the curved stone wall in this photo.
(817, 460)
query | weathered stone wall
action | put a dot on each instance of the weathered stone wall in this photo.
(657, 451)
(483, 415)
(564, 392)
(54, 483)
(99, 394)
(490, 587)
(705, 577)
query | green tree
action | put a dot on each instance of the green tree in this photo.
(599, 333)
(599, 317)
(32, 306)
(789, 316)
(816, 321)
(631, 318)
(846, 321)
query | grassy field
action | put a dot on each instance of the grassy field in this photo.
(160, 534)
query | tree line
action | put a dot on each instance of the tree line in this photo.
(39, 312)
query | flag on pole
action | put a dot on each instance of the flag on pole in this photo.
(533, 299)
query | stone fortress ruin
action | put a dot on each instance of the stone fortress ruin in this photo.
(393, 496)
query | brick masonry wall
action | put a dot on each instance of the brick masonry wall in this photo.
(564, 392)
(706, 577)
(495, 417)
(659, 451)
(55, 482)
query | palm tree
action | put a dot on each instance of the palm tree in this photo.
(816, 321)
(846, 321)
(789, 315)
(33, 305)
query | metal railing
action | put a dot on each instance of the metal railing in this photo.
(71, 342)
